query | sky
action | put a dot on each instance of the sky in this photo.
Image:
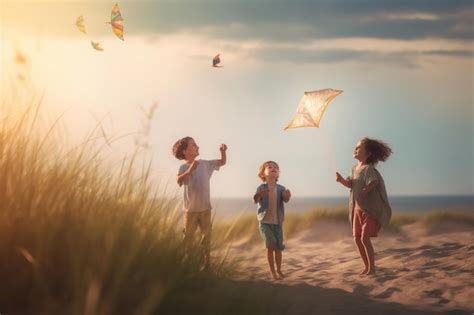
(405, 68)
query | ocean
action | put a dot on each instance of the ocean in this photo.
(227, 208)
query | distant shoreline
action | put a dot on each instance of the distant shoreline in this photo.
(230, 207)
(397, 196)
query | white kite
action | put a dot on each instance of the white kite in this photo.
(312, 107)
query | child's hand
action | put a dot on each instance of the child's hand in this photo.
(263, 192)
(223, 148)
(286, 195)
(259, 195)
(339, 177)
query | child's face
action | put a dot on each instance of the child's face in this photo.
(360, 152)
(192, 150)
(271, 171)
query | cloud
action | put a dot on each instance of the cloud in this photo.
(264, 20)
(303, 56)
(282, 30)
(413, 16)
(316, 56)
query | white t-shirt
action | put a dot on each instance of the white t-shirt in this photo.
(271, 216)
(197, 196)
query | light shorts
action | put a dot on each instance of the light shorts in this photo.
(193, 220)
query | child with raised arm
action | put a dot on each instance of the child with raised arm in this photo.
(195, 175)
(369, 209)
(270, 197)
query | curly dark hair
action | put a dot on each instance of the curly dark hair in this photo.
(180, 146)
(378, 150)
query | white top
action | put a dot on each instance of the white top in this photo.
(271, 216)
(197, 196)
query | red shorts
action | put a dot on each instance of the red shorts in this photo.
(364, 225)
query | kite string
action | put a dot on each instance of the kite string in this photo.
(329, 149)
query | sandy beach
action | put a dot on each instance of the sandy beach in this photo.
(420, 270)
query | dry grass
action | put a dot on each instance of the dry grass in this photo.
(299, 222)
(81, 234)
(245, 228)
(449, 216)
(399, 220)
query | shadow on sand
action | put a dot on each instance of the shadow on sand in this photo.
(235, 297)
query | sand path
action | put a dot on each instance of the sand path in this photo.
(420, 271)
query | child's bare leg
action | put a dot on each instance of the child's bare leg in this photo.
(190, 226)
(362, 253)
(207, 257)
(369, 249)
(278, 262)
(206, 250)
(206, 228)
(271, 264)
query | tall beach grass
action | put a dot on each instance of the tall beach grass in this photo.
(85, 234)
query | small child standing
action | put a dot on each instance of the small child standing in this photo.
(369, 209)
(195, 176)
(271, 213)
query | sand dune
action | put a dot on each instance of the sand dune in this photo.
(421, 270)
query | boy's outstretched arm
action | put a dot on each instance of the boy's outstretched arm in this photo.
(345, 182)
(181, 178)
(223, 150)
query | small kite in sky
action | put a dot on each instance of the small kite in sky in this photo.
(20, 58)
(116, 21)
(312, 107)
(22, 61)
(96, 46)
(80, 24)
(216, 61)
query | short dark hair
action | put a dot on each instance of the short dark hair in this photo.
(379, 150)
(180, 146)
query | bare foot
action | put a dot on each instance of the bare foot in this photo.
(275, 276)
(364, 272)
(280, 274)
(371, 271)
